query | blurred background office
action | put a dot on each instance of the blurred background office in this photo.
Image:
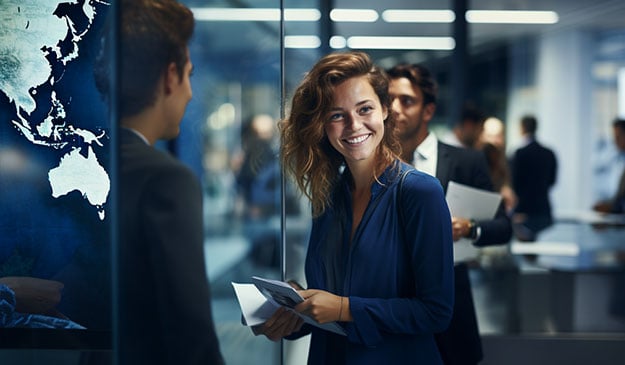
(549, 301)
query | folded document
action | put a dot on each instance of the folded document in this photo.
(258, 302)
(469, 202)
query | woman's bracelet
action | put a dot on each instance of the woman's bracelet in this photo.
(340, 309)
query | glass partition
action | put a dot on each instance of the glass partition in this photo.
(228, 136)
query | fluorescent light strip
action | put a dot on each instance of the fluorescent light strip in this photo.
(338, 42)
(418, 16)
(236, 15)
(369, 15)
(354, 15)
(301, 41)
(302, 15)
(511, 17)
(255, 14)
(424, 43)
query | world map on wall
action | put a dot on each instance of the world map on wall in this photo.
(55, 176)
(39, 39)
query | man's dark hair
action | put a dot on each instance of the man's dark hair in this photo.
(529, 124)
(419, 76)
(619, 123)
(152, 34)
(472, 114)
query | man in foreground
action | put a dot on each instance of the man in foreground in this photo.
(163, 296)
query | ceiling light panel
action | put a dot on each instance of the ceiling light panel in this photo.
(511, 17)
(301, 41)
(405, 43)
(354, 15)
(255, 14)
(418, 16)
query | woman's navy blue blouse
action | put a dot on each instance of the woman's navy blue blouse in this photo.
(397, 271)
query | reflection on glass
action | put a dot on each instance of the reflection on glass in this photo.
(228, 137)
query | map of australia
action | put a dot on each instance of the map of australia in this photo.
(39, 40)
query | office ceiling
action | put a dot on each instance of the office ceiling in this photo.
(250, 50)
(573, 14)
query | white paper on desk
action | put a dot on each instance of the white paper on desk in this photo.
(471, 203)
(256, 308)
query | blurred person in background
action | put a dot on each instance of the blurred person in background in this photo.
(466, 132)
(534, 172)
(616, 204)
(493, 143)
(259, 186)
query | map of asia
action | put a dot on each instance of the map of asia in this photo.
(54, 150)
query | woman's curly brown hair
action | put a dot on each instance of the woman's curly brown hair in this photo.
(306, 153)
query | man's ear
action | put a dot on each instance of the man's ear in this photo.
(171, 77)
(428, 111)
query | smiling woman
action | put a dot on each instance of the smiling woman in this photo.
(378, 265)
(356, 122)
(346, 88)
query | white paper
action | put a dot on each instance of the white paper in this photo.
(260, 300)
(256, 309)
(470, 203)
(465, 251)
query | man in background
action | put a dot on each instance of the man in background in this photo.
(468, 131)
(493, 143)
(617, 203)
(163, 295)
(534, 169)
(414, 92)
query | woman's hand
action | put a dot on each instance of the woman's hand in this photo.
(323, 306)
(282, 323)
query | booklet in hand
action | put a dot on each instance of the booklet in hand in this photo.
(277, 293)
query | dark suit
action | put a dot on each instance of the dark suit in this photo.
(534, 170)
(163, 292)
(460, 343)
(618, 202)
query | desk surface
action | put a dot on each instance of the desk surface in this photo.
(576, 246)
